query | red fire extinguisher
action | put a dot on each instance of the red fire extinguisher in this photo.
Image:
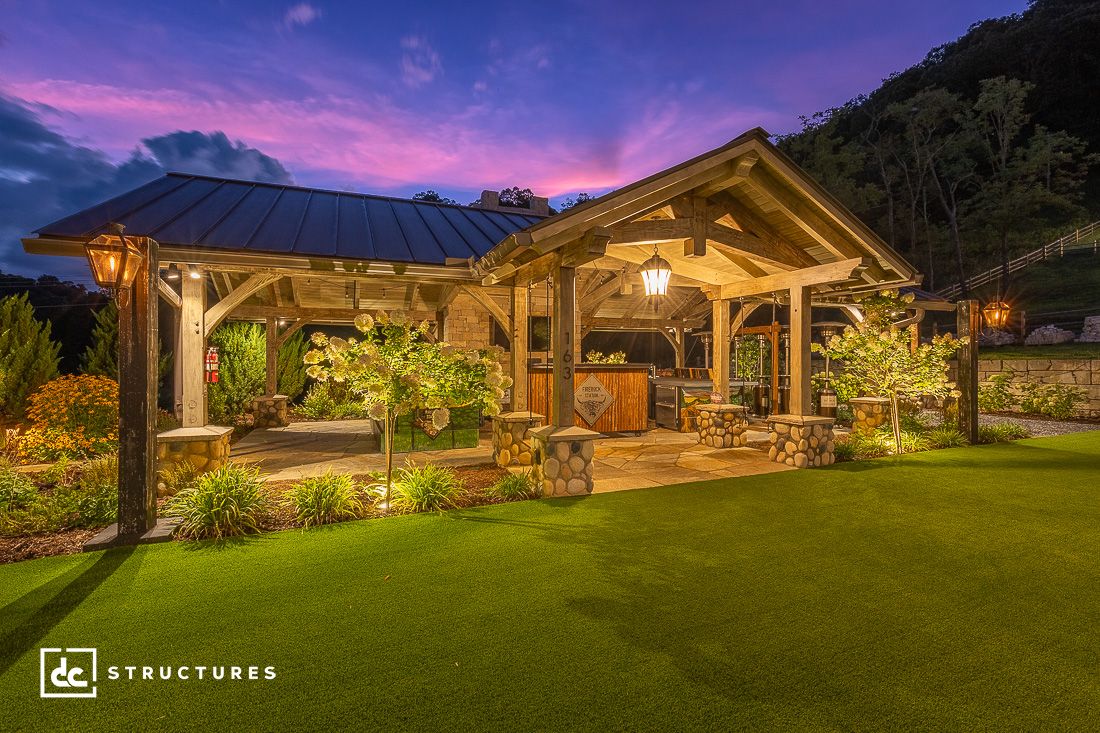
(212, 365)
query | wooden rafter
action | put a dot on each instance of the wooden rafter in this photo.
(169, 294)
(218, 312)
(832, 272)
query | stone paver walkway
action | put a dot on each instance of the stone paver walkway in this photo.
(656, 458)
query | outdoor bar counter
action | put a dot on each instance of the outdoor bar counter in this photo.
(610, 398)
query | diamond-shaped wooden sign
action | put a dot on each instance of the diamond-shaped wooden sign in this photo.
(592, 399)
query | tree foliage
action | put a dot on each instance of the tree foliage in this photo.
(242, 368)
(432, 197)
(878, 360)
(397, 371)
(101, 355)
(28, 356)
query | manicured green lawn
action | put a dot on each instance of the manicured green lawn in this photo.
(958, 589)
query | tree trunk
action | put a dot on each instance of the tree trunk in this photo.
(390, 428)
(895, 423)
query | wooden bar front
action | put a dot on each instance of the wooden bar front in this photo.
(628, 384)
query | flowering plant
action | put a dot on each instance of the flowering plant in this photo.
(397, 370)
(74, 416)
(879, 360)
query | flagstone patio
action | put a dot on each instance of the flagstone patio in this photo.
(658, 457)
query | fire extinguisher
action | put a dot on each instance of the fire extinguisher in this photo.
(212, 365)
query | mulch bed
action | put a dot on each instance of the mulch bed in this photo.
(30, 547)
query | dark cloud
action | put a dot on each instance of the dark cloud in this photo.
(45, 176)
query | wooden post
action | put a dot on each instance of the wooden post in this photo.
(681, 350)
(564, 318)
(177, 366)
(192, 351)
(440, 321)
(272, 358)
(801, 391)
(138, 351)
(720, 364)
(578, 334)
(773, 338)
(969, 325)
(520, 339)
(914, 337)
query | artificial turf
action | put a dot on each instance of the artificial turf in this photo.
(956, 589)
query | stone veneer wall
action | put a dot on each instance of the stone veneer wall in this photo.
(563, 460)
(512, 441)
(205, 448)
(869, 412)
(467, 323)
(269, 412)
(723, 426)
(1085, 373)
(802, 442)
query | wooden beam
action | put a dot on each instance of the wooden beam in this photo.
(192, 352)
(168, 293)
(785, 257)
(318, 315)
(290, 330)
(588, 248)
(591, 302)
(271, 360)
(486, 301)
(720, 347)
(518, 351)
(296, 291)
(277, 288)
(833, 272)
(801, 391)
(798, 211)
(650, 231)
(640, 324)
(741, 316)
(218, 312)
(696, 246)
(410, 295)
(740, 261)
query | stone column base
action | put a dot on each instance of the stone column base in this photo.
(205, 448)
(512, 444)
(563, 460)
(801, 441)
(868, 413)
(269, 411)
(723, 426)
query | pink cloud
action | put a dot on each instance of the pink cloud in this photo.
(372, 144)
(301, 15)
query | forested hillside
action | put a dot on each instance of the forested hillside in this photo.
(986, 149)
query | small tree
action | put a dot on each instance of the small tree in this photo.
(28, 357)
(242, 368)
(101, 356)
(397, 371)
(878, 357)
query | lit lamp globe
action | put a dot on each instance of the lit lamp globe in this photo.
(996, 314)
(656, 273)
(114, 259)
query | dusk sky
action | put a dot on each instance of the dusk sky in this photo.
(398, 97)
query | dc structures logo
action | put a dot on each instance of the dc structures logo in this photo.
(67, 672)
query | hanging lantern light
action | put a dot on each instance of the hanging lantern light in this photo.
(996, 314)
(114, 259)
(656, 273)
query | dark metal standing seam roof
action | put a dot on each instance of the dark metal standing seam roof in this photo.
(218, 213)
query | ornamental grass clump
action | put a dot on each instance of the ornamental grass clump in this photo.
(1002, 433)
(325, 499)
(425, 488)
(945, 436)
(226, 502)
(396, 369)
(514, 486)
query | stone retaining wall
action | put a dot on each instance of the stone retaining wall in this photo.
(802, 442)
(869, 412)
(1084, 373)
(723, 426)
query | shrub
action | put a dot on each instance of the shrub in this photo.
(97, 504)
(74, 416)
(332, 401)
(514, 486)
(945, 436)
(869, 445)
(1002, 432)
(102, 471)
(844, 450)
(242, 356)
(1053, 400)
(425, 488)
(28, 357)
(994, 395)
(912, 441)
(16, 490)
(325, 499)
(226, 502)
(101, 356)
(179, 476)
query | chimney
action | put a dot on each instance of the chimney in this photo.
(538, 206)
